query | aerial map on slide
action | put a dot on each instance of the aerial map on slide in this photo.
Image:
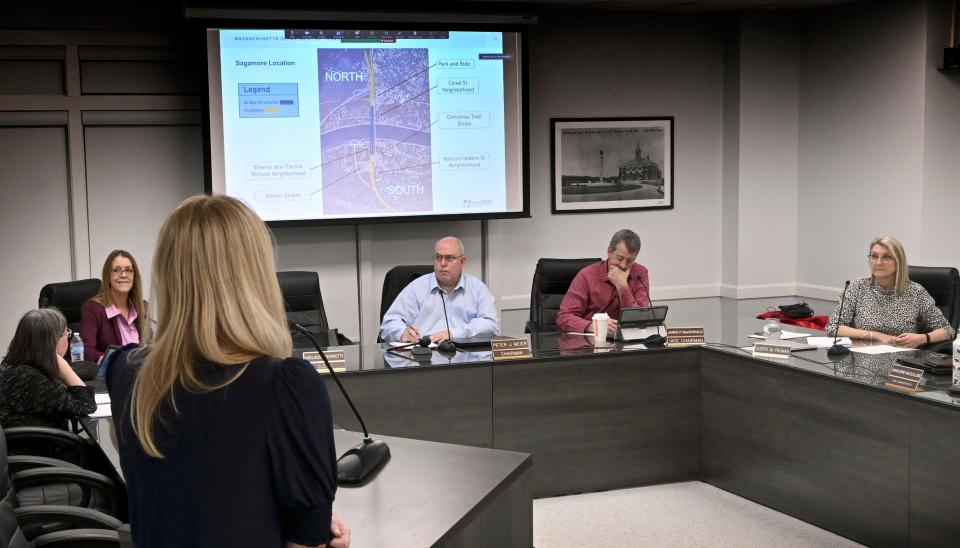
(375, 130)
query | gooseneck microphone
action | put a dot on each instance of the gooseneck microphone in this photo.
(657, 339)
(447, 345)
(423, 342)
(644, 286)
(356, 465)
(837, 349)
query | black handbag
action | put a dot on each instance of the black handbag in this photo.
(799, 310)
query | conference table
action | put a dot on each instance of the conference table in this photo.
(426, 494)
(821, 439)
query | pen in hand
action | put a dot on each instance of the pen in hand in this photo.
(413, 329)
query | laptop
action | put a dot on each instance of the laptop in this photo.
(641, 324)
(99, 383)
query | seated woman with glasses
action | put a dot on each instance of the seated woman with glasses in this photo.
(888, 308)
(116, 315)
(224, 439)
(37, 385)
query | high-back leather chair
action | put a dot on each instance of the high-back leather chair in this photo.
(303, 304)
(943, 284)
(68, 298)
(551, 280)
(27, 526)
(396, 279)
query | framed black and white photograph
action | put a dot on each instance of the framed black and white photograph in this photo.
(611, 164)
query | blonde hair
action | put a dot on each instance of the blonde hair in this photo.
(895, 248)
(217, 299)
(105, 296)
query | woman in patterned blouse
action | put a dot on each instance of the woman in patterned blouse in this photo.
(37, 386)
(887, 307)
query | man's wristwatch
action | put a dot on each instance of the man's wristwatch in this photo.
(927, 335)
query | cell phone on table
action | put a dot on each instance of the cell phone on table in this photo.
(108, 355)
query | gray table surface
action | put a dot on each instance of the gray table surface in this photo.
(428, 492)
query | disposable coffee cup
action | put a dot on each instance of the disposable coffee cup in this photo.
(600, 321)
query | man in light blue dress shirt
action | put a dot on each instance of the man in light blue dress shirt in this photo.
(418, 310)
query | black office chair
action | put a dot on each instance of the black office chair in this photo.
(551, 280)
(943, 284)
(304, 304)
(68, 298)
(396, 279)
(86, 476)
(44, 525)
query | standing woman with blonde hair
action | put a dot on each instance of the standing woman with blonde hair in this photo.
(888, 308)
(117, 314)
(223, 439)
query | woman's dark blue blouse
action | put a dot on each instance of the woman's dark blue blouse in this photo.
(250, 464)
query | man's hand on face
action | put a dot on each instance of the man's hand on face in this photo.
(618, 278)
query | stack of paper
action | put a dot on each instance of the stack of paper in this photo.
(827, 342)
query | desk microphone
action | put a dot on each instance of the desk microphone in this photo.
(838, 349)
(644, 286)
(447, 345)
(354, 466)
(424, 342)
(657, 340)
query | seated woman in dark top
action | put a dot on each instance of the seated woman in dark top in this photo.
(116, 315)
(223, 439)
(37, 386)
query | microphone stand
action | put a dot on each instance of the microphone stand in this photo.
(447, 345)
(838, 350)
(356, 465)
(653, 341)
(420, 349)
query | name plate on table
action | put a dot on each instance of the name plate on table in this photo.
(771, 350)
(685, 336)
(510, 349)
(335, 356)
(904, 378)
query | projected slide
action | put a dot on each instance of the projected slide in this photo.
(318, 125)
(375, 130)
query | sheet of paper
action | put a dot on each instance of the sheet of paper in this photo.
(827, 342)
(637, 333)
(784, 335)
(101, 398)
(878, 349)
(638, 346)
(102, 412)
(396, 344)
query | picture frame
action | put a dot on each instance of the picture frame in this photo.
(611, 164)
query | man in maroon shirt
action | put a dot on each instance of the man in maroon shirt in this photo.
(607, 286)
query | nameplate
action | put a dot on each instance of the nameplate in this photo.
(335, 356)
(685, 336)
(510, 349)
(765, 350)
(904, 378)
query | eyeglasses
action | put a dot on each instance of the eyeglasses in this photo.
(885, 259)
(68, 333)
(117, 271)
(446, 258)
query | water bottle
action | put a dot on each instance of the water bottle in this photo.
(76, 348)
(955, 385)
